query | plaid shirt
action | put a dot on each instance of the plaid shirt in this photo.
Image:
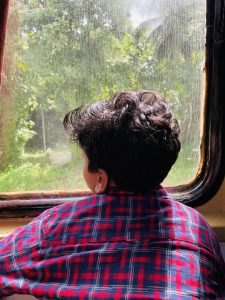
(119, 245)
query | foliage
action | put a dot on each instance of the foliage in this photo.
(40, 177)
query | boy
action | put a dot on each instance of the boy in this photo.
(129, 240)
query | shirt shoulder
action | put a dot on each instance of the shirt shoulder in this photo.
(185, 223)
(65, 223)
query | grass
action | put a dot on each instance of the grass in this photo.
(44, 174)
(29, 177)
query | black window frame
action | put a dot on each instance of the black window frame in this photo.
(212, 165)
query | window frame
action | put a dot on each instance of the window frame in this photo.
(212, 165)
(4, 7)
(211, 170)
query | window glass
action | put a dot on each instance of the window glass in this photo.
(61, 54)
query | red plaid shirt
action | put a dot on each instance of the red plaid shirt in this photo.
(119, 245)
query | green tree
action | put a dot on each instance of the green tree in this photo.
(175, 28)
(60, 39)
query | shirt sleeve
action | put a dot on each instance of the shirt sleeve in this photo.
(19, 252)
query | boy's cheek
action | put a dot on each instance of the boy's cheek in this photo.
(89, 178)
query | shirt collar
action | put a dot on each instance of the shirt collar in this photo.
(118, 191)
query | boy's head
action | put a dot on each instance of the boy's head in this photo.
(132, 138)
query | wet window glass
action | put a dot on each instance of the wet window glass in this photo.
(63, 53)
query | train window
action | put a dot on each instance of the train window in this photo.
(60, 54)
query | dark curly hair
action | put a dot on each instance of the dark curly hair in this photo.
(132, 136)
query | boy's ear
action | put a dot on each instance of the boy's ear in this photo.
(102, 181)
